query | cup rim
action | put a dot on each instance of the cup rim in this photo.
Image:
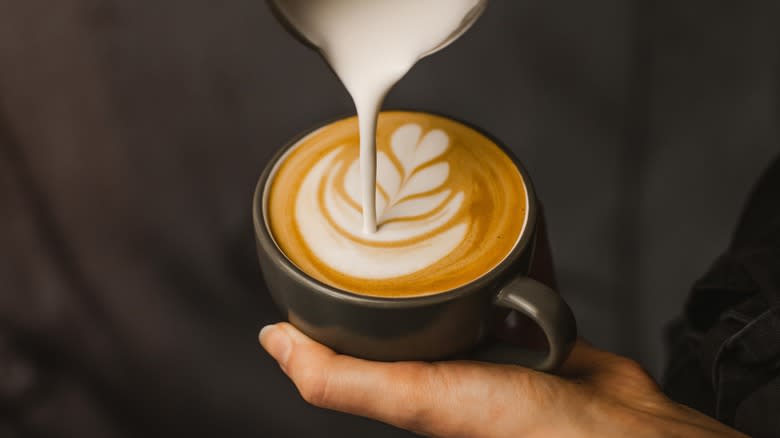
(282, 262)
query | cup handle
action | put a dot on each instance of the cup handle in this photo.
(549, 311)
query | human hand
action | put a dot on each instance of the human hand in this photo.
(595, 393)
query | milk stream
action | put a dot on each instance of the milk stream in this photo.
(371, 45)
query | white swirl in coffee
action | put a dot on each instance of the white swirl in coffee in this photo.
(450, 205)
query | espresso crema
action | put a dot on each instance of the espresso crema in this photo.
(450, 206)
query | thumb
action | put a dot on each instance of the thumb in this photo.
(396, 393)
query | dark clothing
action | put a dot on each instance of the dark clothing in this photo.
(725, 355)
(132, 133)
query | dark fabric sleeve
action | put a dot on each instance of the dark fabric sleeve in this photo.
(725, 351)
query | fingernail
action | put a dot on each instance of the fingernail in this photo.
(276, 342)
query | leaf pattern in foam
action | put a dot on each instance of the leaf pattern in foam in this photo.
(413, 150)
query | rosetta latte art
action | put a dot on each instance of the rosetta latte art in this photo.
(414, 208)
(439, 201)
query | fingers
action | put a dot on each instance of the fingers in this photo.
(608, 371)
(439, 399)
(587, 361)
(584, 360)
(396, 393)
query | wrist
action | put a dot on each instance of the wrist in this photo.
(659, 420)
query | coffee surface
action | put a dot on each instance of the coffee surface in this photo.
(450, 206)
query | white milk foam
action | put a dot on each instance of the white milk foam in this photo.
(401, 195)
(371, 44)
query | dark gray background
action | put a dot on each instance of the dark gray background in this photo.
(132, 133)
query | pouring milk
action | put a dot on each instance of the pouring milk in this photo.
(371, 44)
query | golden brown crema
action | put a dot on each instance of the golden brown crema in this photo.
(450, 206)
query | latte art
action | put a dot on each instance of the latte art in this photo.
(415, 208)
(447, 206)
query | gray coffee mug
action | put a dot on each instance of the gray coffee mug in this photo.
(428, 327)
